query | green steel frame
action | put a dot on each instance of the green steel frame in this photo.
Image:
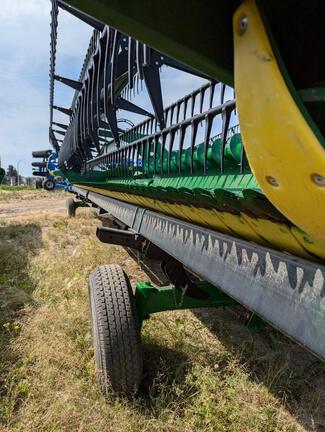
(151, 298)
(285, 291)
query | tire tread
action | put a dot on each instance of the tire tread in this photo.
(118, 345)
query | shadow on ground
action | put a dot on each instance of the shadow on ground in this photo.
(291, 374)
(18, 244)
(160, 359)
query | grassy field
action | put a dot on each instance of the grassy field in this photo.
(204, 371)
(15, 188)
(16, 193)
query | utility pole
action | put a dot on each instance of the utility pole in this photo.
(18, 171)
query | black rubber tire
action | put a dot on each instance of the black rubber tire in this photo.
(39, 164)
(48, 184)
(41, 153)
(116, 331)
(71, 207)
(38, 184)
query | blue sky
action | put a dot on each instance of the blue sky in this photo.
(24, 80)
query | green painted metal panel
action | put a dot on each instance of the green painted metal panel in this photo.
(197, 33)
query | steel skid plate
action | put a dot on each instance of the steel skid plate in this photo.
(287, 292)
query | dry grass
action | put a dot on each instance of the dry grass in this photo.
(22, 193)
(204, 370)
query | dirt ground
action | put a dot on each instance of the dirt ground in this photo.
(20, 204)
(20, 209)
(203, 370)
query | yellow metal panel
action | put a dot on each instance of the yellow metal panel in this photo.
(220, 221)
(159, 206)
(208, 218)
(261, 231)
(315, 247)
(182, 211)
(286, 158)
(278, 235)
(240, 226)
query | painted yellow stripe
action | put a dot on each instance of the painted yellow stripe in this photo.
(284, 154)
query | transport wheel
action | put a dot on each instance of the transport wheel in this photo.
(116, 330)
(48, 184)
(71, 207)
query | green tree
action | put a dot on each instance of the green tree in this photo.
(11, 171)
(2, 174)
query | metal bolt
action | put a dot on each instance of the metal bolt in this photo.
(243, 24)
(318, 179)
(272, 181)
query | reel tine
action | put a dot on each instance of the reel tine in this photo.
(222, 93)
(226, 114)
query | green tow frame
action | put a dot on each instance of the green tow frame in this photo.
(152, 298)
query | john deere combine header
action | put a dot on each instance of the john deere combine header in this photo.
(221, 197)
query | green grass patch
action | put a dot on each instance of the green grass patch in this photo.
(15, 188)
